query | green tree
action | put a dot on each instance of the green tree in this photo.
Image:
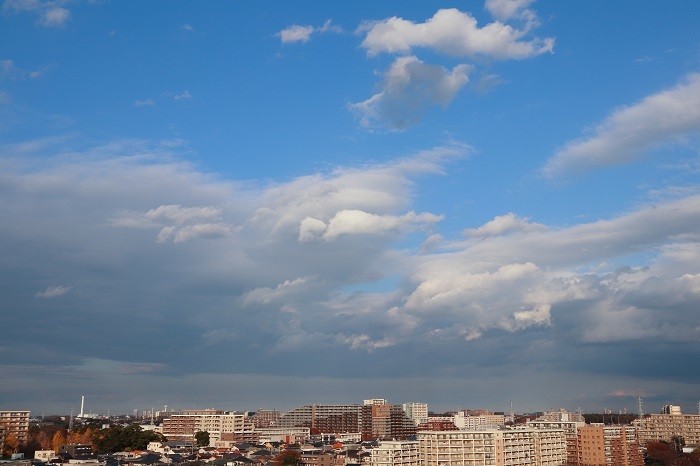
(118, 438)
(202, 438)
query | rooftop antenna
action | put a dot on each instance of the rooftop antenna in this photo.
(512, 416)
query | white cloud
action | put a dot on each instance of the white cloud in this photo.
(455, 33)
(297, 33)
(51, 13)
(187, 27)
(184, 95)
(503, 10)
(504, 224)
(144, 103)
(379, 189)
(53, 291)
(514, 282)
(626, 134)
(354, 222)
(311, 228)
(8, 69)
(181, 215)
(188, 222)
(281, 292)
(54, 17)
(409, 89)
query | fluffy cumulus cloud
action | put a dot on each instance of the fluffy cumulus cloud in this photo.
(298, 33)
(409, 89)
(628, 132)
(514, 282)
(454, 33)
(317, 270)
(410, 86)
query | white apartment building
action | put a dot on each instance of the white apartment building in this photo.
(463, 421)
(375, 401)
(492, 447)
(283, 434)
(396, 453)
(417, 412)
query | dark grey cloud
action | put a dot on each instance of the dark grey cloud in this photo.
(132, 273)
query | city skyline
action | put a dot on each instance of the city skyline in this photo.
(275, 204)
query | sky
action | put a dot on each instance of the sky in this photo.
(243, 205)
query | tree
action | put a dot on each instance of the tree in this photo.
(288, 458)
(59, 438)
(11, 444)
(118, 438)
(202, 438)
(664, 453)
(678, 442)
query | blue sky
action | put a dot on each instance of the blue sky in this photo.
(266, 204)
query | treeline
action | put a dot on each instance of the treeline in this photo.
(110, 440)
(118, 438)
(609, 419)
(671, 453)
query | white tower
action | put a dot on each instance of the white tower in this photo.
(82, 407)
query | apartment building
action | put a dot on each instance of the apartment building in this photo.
(265, 418)
(396, 453)
(184, 426)
(316, 459)
(283, 434)
(14, 423)
(562, 415)
(663, 427)
(463, 421)
(374, 401)
(324, 418)
(600, 445)
(417, 412)
(570, 429)
(385, 421)
(493, 447)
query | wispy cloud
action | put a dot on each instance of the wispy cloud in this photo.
(50, 13)
(144, 103)
(183, 95)
(504, 10)
(297, 33)
(627, 133)
(53, 291)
